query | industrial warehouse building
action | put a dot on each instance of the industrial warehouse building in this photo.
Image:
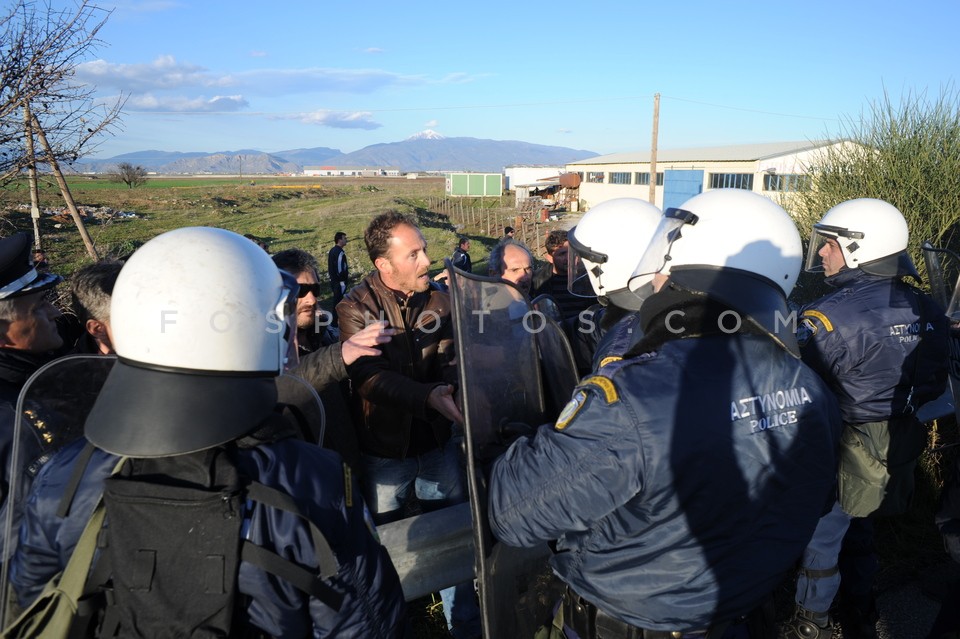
(351, 171)
(773, 169)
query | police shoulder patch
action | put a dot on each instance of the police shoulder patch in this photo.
(812, 317)
(599, 385)
(605, 385)
(571, 409)
(609, 360)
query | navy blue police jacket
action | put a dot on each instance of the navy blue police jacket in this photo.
(373, 605)
(679, 487)
(880, 343)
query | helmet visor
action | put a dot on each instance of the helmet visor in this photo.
(819, 237)
(656, 258)
(580, 258)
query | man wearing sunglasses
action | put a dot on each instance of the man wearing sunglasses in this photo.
(323, 359)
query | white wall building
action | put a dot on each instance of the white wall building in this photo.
(774, 170)
(351, 171)
(528, 174)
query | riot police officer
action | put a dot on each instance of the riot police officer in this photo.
(203, 323)
(680, 484)
(881, 345)
(603, 254)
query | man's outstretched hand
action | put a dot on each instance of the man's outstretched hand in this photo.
(363, 343)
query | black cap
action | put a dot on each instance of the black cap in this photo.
(508, 230)
(18, 276)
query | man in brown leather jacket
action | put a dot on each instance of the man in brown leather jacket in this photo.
(403, 399)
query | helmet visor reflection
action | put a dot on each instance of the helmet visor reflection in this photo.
(286, 322)
(656, 258)
(819, 236)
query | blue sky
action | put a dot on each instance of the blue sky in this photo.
(218, 75)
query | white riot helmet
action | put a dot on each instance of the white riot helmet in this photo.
(872, 236)
(735, 246)
(201, 325)
(604, 247)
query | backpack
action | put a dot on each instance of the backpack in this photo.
(173, 570)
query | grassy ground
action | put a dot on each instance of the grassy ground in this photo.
(284, 212)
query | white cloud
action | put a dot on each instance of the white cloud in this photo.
(373, 50)
(163, 73)
(179, 104)
(258, 54)
(167, 73)
(431, 123)
(337, 119)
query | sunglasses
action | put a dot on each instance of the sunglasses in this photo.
(309, 288)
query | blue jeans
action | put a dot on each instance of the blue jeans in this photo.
(816, 593)
(436, 480)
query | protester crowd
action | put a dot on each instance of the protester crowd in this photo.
(716, 445)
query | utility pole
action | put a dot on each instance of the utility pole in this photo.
(32, 175)
(653, 149)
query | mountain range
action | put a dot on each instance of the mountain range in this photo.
(425, 151)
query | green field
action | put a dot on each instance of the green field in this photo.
(284, 212)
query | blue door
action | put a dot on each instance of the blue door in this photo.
(679, 186)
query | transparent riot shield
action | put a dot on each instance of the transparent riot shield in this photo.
(548, 306)
(943, 270)
(558, 368)
(300, 403)
(501, 383)
(50, 413)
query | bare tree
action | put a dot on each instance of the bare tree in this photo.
(40, 49)
(130, 175)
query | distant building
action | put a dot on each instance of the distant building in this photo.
(774, 169)
(528, 174)
(474, 184)
(351, 171)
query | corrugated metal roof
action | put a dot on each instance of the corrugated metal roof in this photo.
(541, 183)
(734, 153)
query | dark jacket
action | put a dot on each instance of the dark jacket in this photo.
(390, 391)
(337, 266)
(680, 486)
(16, 367)
(546, 282)
(461, 260)
(321, 366)
(313, 477)
(879, 342)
